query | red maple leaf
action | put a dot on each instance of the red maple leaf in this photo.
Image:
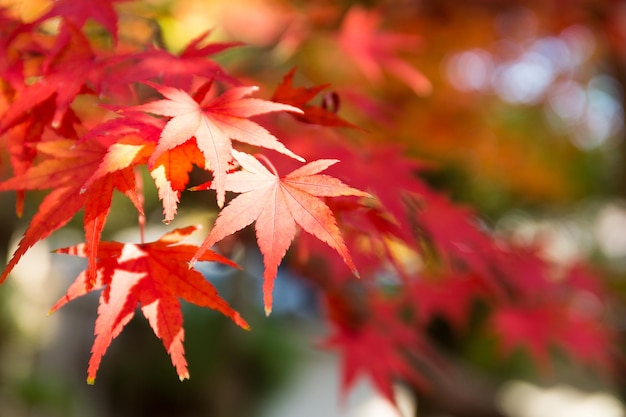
(377, 344)
(453, 231)
(66, 170)
(534, 328)
(129, 142)
(277, 205)
(300, 96)
(153, 276)
(214, 124)
(549, 325)
(38, 109)
(365, 166)
(21, 140)
(69, 70)
(135, 140)
(450, 296)
(176, 70)
(135, 137)
(373, 49)
(568, 313)
(77, 12)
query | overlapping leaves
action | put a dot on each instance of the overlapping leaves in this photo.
(278, 205)
(153, 276)
(433, 252)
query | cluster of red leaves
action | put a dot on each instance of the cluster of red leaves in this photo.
(82, 159)
(391, 224)
(441, 262)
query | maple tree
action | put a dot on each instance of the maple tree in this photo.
(83, 115)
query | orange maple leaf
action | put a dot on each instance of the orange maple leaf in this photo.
(153, 276)
(170, 173)
(277, 205)
(214, 124)
(135, 139)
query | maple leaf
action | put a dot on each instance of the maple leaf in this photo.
(377, 344)
(581, 333)
(135, 139)
(453, 232)
(370, 235)
(568, 313)
(77, 12)
(20, 140)
(213, 125)
(450, 297)
(176, 70)
(70, 69)
(153, 276)
(130, 142)
(374, 50)
(535, 328)
(35, 110)
(171, 175)
(366, 166)
(300, 96)
(277, 205)
(66, 170)
(374, 353)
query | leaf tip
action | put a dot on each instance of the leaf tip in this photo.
(268, 311)
(91, 380)
(241, 322)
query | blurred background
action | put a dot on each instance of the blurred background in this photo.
(517, 107)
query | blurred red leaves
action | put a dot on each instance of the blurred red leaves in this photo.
(72, 119)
